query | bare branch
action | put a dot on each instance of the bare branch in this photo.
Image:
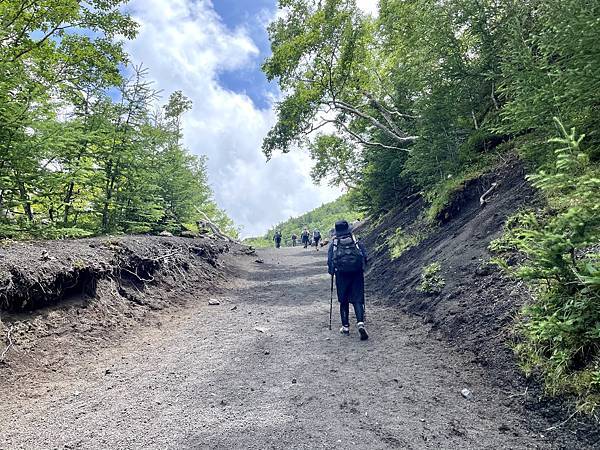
(349, 108)
(384, 112)
(360, 140)
(215, 229)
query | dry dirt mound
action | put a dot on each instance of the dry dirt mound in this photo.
(78, 294)
(476, 308)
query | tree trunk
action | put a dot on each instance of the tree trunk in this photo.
(67, 202)
(108, 191)
(25, 200)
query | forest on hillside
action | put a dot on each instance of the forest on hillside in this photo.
(85, 147)
(426, 95)
(321, 218)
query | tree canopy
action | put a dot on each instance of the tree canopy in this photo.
(428, 90)
(85, 147)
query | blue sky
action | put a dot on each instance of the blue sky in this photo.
(252, 15)
(212, 51)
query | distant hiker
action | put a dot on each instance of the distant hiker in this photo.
(316, 238)
(305, 236)
(347, 259)
(294, 239)
(277, 239)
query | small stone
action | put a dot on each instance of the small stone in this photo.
(214, 302)
(466, 393)
(294, 381)
(260, 329)
(234, 308)
(107, 372)
(503, 428)
(484, 270)
(260, 261)
(76, 393)
(223, 403)
(267, 352)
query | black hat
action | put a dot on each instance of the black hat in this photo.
(342, 227)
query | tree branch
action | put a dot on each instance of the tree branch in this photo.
(213, 227)
(349, 108)
(360, 140)
(385, 114)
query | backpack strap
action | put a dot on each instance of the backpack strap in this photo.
(335, 243)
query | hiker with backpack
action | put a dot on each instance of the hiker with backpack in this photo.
(277, 239)
(294, 239)
(304, 236)
(316, 238)
(346, 260)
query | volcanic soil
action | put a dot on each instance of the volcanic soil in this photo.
(261, 369)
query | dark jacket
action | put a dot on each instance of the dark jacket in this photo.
(331, 268)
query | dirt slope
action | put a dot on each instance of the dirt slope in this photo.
(261, 370)
(475, 311)
(62, 299)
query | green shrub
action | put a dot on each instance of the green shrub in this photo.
(560, 329)
(42, 232)
(431, 280)
(402, 240)
(258, 242)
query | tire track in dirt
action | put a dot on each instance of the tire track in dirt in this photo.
(208, 379)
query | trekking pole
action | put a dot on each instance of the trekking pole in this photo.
(331, 303)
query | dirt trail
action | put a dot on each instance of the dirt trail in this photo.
(209, 379)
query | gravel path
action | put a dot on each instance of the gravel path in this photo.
(262, 370)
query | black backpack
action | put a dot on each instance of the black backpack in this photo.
(317, 235)
(347, 256)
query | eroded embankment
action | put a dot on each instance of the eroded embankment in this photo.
(476, 309)
(80, 293)
(476, 306)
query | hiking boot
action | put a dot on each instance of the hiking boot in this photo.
(345, 330)
(363, 331)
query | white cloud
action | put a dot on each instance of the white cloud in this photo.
(368, 6)
(184, 44)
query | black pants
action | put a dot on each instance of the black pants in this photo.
(277, 244)
(359, 311)
(350, 288)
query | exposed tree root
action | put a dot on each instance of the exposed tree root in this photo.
(36, 275)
